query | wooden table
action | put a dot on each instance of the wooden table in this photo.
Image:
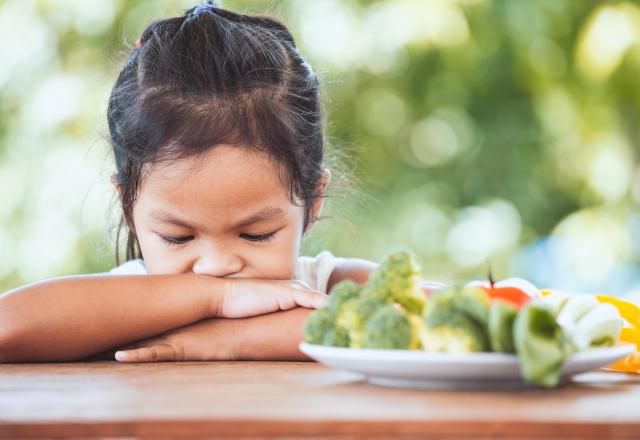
(281, 399)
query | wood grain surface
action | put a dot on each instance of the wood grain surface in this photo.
(296, 399)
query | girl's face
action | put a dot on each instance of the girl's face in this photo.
(223, 214)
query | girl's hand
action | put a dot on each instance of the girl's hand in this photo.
(251, 297)
(191, 343)
(275, 336)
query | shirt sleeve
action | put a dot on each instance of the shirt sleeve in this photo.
(131, 267)
(316, 271)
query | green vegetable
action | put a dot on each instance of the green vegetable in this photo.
(417, 330)
(599, 327)
(540, 344)
(589, 323)
(336, 337)
(321, 329)
(346, 321)
(474, 303)
(455, 321)
(397, 280)
(388, 328)
(353, 317)
(459, 335)
(502, 315)
(556, 301)
(384, 313)
(343, 292)
(550, 329)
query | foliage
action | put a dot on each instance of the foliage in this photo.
(475, 131)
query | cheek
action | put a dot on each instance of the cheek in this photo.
(158, 257)
(276, 261)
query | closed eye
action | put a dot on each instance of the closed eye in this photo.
(172, 241)
(262, 237)
(175, 241)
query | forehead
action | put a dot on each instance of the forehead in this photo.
(225, 180)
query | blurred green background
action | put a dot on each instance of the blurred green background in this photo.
(476, 132)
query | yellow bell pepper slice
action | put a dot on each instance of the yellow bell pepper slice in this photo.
(630, 364)
(631, 313)
(628, 310)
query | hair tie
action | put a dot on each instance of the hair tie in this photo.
(202, 8)
(207, 6)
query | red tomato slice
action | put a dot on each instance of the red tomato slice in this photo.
(511, 294)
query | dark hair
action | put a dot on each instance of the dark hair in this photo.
(210, 77)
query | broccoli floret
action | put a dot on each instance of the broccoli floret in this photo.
(455, 321)
(376, 292)
(417, 327)
(343, 292)
(471, 303)
(318, 323)
(392, 294)
(458, 334)
(388, 328)
(336, 337)
(397, 280)
(354, 315)
(321, 329)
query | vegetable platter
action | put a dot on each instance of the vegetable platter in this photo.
(483, 334)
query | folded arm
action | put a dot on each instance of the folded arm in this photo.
(275, 336)
(70, 318)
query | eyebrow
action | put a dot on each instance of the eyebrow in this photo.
(265, 213)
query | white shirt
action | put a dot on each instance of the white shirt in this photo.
(313, 271)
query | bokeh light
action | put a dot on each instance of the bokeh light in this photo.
(478, 134)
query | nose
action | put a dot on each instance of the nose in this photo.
(217, 263)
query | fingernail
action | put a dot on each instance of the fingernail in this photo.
(121, 355)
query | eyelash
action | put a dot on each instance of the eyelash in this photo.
(175, 241)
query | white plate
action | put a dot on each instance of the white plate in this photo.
(421, 369)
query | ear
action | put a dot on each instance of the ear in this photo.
(116, 184)
(318, 203)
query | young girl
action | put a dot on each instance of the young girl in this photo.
(216, 129)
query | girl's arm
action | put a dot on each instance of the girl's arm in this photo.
(71, 318)
(274, 337)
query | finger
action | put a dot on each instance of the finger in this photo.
(152, 353)
(310, 299)
(141, 343)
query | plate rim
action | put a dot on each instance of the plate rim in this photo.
(347, 353)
